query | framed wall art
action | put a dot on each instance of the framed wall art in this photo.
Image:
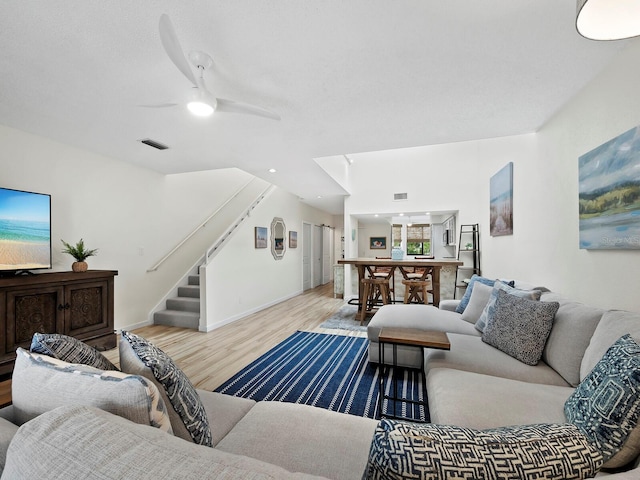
(261, 237)
(609, 194)
(377, 243)
(293, 239)
(501, 202)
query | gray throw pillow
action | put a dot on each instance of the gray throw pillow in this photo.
(431, 452)
(41, 383)
(490, 305)
(178, 389)
(478, 301)
(520, 327)
(69, 349)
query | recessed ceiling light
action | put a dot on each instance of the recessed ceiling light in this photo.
(272, 170)
(376, 215)
(319, 196)
(401, 214)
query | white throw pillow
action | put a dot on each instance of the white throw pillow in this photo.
(479, 299)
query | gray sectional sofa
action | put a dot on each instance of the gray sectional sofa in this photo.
(76, 422)
(478, 386)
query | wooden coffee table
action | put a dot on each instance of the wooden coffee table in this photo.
(411, 337)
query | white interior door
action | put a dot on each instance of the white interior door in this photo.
(316, 248)
(306, 256)
(326, 255)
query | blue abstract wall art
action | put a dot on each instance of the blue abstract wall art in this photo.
(609, 194)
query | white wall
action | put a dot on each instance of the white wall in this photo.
(135, 216)
(544, 246)
(242, 279)
(368, 230)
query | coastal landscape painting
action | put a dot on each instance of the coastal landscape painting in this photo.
(609, 194)
(501, 202)
(25, 230)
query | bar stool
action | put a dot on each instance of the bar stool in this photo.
(386, 272)
(373, 289)
(417, 290)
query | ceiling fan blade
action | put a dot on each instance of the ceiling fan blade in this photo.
(172, 47)
(239, 107)
(160, 105)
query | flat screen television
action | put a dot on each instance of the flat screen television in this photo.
(25, 231)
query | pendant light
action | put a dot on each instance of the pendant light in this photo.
(608, 19)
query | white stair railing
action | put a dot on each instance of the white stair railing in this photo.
(213, 249)
(195, 230)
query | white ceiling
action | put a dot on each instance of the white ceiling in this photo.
(345, 76)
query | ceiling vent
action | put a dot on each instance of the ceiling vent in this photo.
(154, 144)
(399, 196)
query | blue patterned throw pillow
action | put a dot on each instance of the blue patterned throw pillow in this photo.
(606, 404)
(402, 450)
(467, 294)
(178, 388)
(70, 350)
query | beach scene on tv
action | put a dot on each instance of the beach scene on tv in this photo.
(25, 230)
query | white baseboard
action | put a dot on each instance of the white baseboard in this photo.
(212, 326)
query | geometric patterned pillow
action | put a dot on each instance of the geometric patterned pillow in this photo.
(70, 350)
(490, 306)
(180, 391)
(427, 451)
(606, 404)
(520, 327)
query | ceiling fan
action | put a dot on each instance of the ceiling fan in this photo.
(201, 101)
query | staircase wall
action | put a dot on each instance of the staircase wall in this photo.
(241, 280)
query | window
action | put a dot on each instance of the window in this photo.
(396, 235)
(419, 239)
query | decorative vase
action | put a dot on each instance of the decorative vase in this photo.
(79, 266)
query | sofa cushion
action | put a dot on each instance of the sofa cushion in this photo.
(70, 350)
(490, 306)
(151, 362)
(302, 438)
(402, 450)
(466, 350)
(606, 404)
(7, 432)
(520, 327)
(426, 317)
(573, 327)
(474, 400)
(477, 302)
(42, 383)
(227, 411)
(81, 442)
(612, 325)
(467, 294)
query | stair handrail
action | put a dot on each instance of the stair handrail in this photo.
(247, 213)
(201, 225)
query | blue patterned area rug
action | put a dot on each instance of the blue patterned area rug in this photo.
(327, 371)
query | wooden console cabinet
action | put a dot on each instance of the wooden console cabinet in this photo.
(76, 304)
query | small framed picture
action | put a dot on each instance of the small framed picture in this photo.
(293, 239)
(261, 237)
(377, 243)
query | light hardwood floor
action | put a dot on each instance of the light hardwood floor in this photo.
(208, 359)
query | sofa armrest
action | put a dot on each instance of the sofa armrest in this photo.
(449, 305)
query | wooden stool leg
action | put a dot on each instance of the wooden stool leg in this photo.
(384, 292)
(407, 293)
(365, 302)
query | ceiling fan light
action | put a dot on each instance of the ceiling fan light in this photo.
(201, 109)
(608, 19)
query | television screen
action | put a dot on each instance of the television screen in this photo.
(25, 230)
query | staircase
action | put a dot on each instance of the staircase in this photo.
(183, 310)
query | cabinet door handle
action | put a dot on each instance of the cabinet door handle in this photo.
(60, 307)
(67, 306)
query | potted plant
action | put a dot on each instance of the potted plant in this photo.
(80, 253)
